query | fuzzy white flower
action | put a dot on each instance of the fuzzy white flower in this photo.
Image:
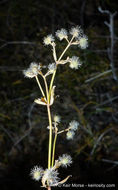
(48, 39)
(27, 73)
(73, 125)
(57, 119)
(83, 42)
(70, 134)
(34, 67)
(52, 67)
(74, 62)
(76, 31)
(61, 34)
(51, 177)
(65, 160)
(36, 173)
(33, 70)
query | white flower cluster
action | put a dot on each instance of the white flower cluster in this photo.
(51, 67)
(83, 42)
(48, 40)
(75, 32)
(73, 126)
(36, 173)
(32, 71)
(49, 175)
(82, 39)
(75, 62)
(57, 118)
(65, 160)
(62, 34)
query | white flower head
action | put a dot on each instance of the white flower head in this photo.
(57, 119)
(52, 67)
(51, 177)
(34, 67)
(75, 62)
(65, 160)
(48, 39)
(76, 31)
(33, 70)
(83, 42)
(70, 134)
(73, 125)
(61, 34)
(27, 73)
(36, 173)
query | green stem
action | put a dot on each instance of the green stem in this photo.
(66, 48)
(50, 134)
(54, 144)
(40, 86)
(51, 83)
(50, 124)
(53, 76)
(49, 112)
(50, 137)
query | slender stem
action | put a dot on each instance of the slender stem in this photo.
(49, 112)
(63, 131)
(54, 144)
(54, 52)
(66, 48)
(50, 134)
(53, 76)
(46, 87)
(40, 86)
(50, 124)
(50, 137)
(51, 83)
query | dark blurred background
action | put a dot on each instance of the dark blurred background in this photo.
(88, 95)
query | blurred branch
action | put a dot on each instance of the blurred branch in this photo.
(7, 132)
(103, 11)
(110, 161)
(111, 102)
(99, 75)
(115, 163)
(99, 51)
(9, 135)
(108, 101)
(17, 43)
(10, 68)
(110, 25)
(100, 36)
(98, 140)
(26, 133)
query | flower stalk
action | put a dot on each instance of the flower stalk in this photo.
(37, 80)
(49, 177)
(54, 145)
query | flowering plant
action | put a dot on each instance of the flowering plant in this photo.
(49, 176)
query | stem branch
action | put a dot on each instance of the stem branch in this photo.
(54, 144)
(40, 86)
